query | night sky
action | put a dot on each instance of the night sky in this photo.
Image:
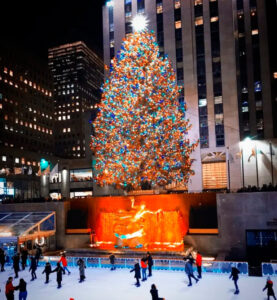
(34, 26)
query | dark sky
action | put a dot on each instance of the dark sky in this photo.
(34, 26)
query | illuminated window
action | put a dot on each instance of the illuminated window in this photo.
(198, 21)
(64, 130)
(30, 83)
(214, 19)
(11, 73)
(34, 163)
(214, 175)
(159, 8)
(5, 70)
(68, 117)
(218, 100)
(4, 158)
(178, 24)
(35, 126)
(16, 160)
(64, 118)
(177, 4)
(59, 118)
(1, 106)
(255, 32)
(68, 129)
(51, 132)
(275, 75)
(23, 160)
(6, 117)
(198, 2)
(28, 163)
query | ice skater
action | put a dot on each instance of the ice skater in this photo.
(269, 288)
(82, 266)
(16, 260)
(2, 259)
(137, 273)
(235, 276)
(24, 256)
(33, 268)
(9, 289)
(47, 270)
(150, 264)
(154, 293)
(59, 271)
(38, 253)
(143, 264)
(112, 261)
(199, 264)
(63, 260)
(22, 287)
(189, 270)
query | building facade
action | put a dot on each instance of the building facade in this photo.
(219, 50)
(26, 124)
(77, 75)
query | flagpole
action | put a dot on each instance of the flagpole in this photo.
(257, 169)
(242, 167)
(272, 173)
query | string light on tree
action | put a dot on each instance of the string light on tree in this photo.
(140, 133)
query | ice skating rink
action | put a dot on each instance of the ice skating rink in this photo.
(103, 284)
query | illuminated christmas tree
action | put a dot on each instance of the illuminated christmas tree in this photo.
(140, 133)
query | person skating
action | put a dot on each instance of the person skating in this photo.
(2, 259)
(112, 261)
(189, 270)
(63, 260)
(199, 264)
(16, 260)
(143, 264)
(38, 253)
(235, 276)
(82, 267)
(24, 256)
(154, 293)
(47, 270)
(22, 287)
(137, 273)
(150, 263)
(269, 288)
(33, 268)
(9, 292)
(59, 271)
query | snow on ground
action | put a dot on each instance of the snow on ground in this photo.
(103, 284)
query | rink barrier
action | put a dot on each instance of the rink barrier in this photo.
(269, 269)
(217, 267)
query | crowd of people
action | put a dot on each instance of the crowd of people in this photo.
(253, 188)
(140, 268)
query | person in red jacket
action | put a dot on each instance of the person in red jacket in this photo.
(63, 260)
(9, 289)
(143, 264)
(199, 264)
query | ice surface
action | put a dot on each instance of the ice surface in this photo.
(103, 284)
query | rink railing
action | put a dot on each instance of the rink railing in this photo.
(159, 264)
(269, 269)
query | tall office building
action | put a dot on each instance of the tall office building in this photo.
(219, 50)
(26, 123)
(77, 74)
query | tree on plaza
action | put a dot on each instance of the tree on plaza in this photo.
(140, 130)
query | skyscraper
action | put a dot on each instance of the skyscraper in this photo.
(26, 122)
(77, 74)
(219, 51)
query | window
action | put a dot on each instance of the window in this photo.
(178, 24)
(16, 160)
(214, 19)
(255, 32)
(214, 175)
(159, 8)
(4, 158)
(198, 21)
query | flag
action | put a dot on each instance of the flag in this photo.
(30, 171)
(253, 153)
(54, 172)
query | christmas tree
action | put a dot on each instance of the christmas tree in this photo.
(140, 133)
